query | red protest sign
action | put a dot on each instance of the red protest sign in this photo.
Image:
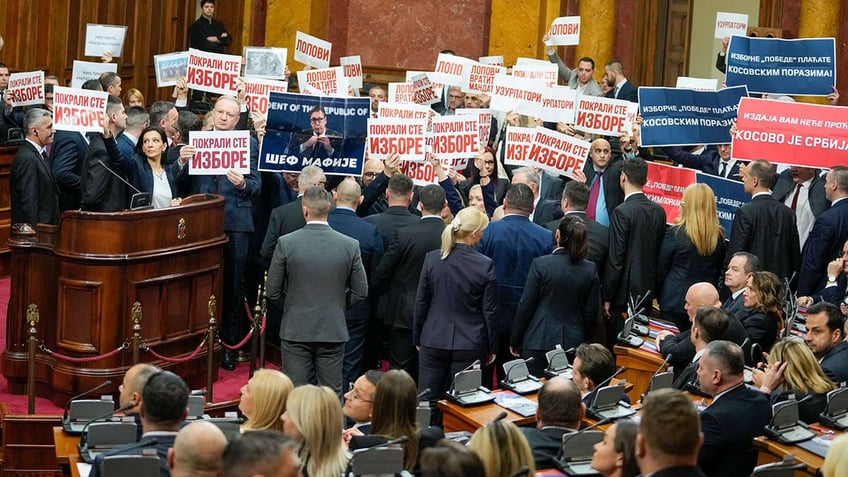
(558, 153)
(599, 115)
(387, 136)
(455, 137)
(518, 143)
(213, 72)
(421, 173)
(808, 135)
(256, 91)
(665, 187)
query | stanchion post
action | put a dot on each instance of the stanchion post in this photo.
(136, 338)
(257, 325)
(32, 320)
(210, 347)
(263, 299)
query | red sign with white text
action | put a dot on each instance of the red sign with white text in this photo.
(665, 187)
(557, 153)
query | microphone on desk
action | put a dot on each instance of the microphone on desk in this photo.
(657, 372)
(513, 365)
(606, 381)
(599, 423)
(84, 433)
(470, 366)
(523, 470)
(139, 200)
(423, 394)
(500, 417)
(95, 388)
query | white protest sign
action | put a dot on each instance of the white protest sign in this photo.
(219, 152)
(482, 78)
(599, 115)
(79, 110)
(558, 104)
(423, 91)
(492, 60)
(405, 111)
(326, 82)
(213, 72)
(729, 24)
(400, 93)
(484, 121)
(26, 89)
(521, 61)
(452, 70)
(100, 39)
(437, 87)
(517, 94)
(256, 92)
(312, 51)
(698, 84)
(547, 72)
(86, 70)
(262, 62)
(557, 153)
(421, 173)
(456, 137)
(170, 67)
(352, 69)
(564, 31)
(518, 142)
(387, 136)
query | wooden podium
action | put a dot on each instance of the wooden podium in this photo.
(85, 274)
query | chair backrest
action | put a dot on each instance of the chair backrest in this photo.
(778, 469)
(111, 434)
(130, 466)
(377, 461)
(196, 406)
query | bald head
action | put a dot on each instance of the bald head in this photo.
(197, 450)
(698, 295)
(560, 404)
(600, 153)
(348, 194)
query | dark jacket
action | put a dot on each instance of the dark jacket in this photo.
(835, 363)
(33, 193)
(680, 266)
(823, 245)
(66, 157)
(370, 249)
(545, 444)
(598, 239)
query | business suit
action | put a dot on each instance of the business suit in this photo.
(611, 174)
(126, 146)
(345, 220)
(761, 328)
(686, 377)
(569, 77)
(837, 293)
(33, 193)
(101, 191)
(545, 444)
(784, 186)
(398, 272)
(680, 345)
(164, 441)
(736, 307)
(730, 425)
(547, 317)
(824, 243)
(626, 92)
(679, 471)
(835, 363)
(546, 211)
(766, 228)
(708, 162)
(598, 239)
(390, 221)
(66, 155)
(550, 187)
(284, 219)
(314, 290)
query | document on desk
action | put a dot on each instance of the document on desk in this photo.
(83, 468)
(515, 403)
(818, 446)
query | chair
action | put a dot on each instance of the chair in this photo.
(130, 466)
(785, 468)
(376, 461)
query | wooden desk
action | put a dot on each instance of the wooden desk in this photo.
(66, 445)
(641, 365)
(75, 459)
(772, 451)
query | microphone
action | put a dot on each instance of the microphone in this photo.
(100, 161)
(607, 381)
(523, 470)
(650, 381)
(453, 383)
(509, 371)
(599, 423)
(423, 394)
(500, 417)
(83, 433)
(95, 388)
(198, 392)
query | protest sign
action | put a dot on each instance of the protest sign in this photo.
(484, 122)
(482, 78)
(421, 173)
(423, 91)
(327, 82)
(455, 137)
(404, 111)
(26, 89)
(102, 39)
(452, 70)
(698, 84)
(557, 153)
(558, 104)
(522, 61)
(800, 134)
(517, 94)
(564, 31)
(665, 187)
(400, 93)
(219, 152)
(170, 67)
(729, 194)
(437, 87)
(776, 66)
(311, 50)
(545, 71)
(677, 117)
(729, 24)
(496, 60)
(352, 66)
(262, 62)
(335, 142)
(599, 115)
(518, 143)
(86, 70)
(213, 72)
(256, 92)
(387, 136)
(79, 110)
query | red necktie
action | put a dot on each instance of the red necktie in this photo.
(795, 197)
(593, 196)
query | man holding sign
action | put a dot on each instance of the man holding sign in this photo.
(580, 79)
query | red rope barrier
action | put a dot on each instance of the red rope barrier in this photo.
(87, 359)
(247, 337)
(177, 360)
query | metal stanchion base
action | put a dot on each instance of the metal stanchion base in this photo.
(242, 356)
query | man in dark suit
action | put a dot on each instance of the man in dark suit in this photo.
(593, 364)
(621, 88)
(826, 339)
(399, 270)
(829, 232)
(33, 193)
(602, 173)
(314, 290)
(736, 416)
(289, 217)
(101, 190)
(711, 161)
(317, 142)
(560, 412)
(137, 119)
(544, 210)
(164, 402)
(739, 269)
(637, 227)
(512, 243)
(575, 197)
(669, 436)
(708, 324)
(802, 190)
(66, 154)
(344, 219)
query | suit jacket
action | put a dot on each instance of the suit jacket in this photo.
(636, 230)
(679, 471)
(284, 219)
(598, 239)
(370, 249)
(66, 157)
(835, 294)
(513, 243)
(546, 316)
(390, 221)
(785, 186)
(707, 162)
(456, 301)
(101, 190)
(835, 363)
(569, 77)
(400, 267)
(736, 307)
(767, 229)
(315, 289)
(33, 193)
(680, 265)
(730, 425)
(163, 443)
(627, 92)
(551, 187)
(824, 243)
(546, 211)
(686, 376)
(545, 444)
(761, 328)
(613, 194)
(125, 146)
(682, 350)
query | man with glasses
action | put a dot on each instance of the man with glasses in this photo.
(317, 142)
(359, 400)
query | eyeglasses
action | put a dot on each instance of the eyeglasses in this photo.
(316, 120)
(356, 394)
(371, 174)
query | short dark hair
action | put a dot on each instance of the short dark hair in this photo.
(636, 171)
(374, 376)
(255, 452)
(112, 103)
(670, 424)
(204, 2)
(711, 322)
(840, 175)
(140, 143)
(519, 197)
(159, 111)
(763, 170)
(835, 321)
(596, 362)
(432, 198)
(400, 185)
(108, 79)
(316, 199)
(92, 85)
(560, 403)
(577, 194)
(317, 108)
(752, 263)
(164, 398)
(137, 116)
(187, 122)
(450, 459)
(726, 356)
(588, 60)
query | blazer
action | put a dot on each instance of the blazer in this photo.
(569, 77)
(101, 190)
(680, 265)
(284, 219)
(767, 228)
(824, 243)
(456, 301)
(66, 155)
(627, 93)
(33, 194)
(707, 162)
(835, 294)
(736, 307)
(598, 239)
(346, 221)
(679, 471)
(389, 221)
(636, 230)
(315, 289)
(545, 444)
(546, 316)
(686, 376)
(125, 146)
(513, 243)
(682, 350)
(550, 187)
(761, 328)
(612, 188)
(835, 363)
(400, 267)
(730, 425)
(546, 211)
(785, 186)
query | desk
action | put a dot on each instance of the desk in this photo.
(641, 364)
(66, 445)
(772, 451)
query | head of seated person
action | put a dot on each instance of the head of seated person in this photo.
(449, 459)
(560, 404)
(593, 364)
(802, 376)
(261, 453)
(263, 400)
(669, 432)
(502, 448)
(164, 402)
(615, 456)
(197, 451)
(133, 384)
(313, 419)
(395, 404)
(359, 400)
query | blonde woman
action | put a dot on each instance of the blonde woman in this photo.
(836, 462)
(263, 400)
(454, 320)
(134, 98)
(313, 418)
(692, 251)
(794, 371)
(502, 448)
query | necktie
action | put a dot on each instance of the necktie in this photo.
(593, 196)
(723, 171)
(615, 92)
(795, 197)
